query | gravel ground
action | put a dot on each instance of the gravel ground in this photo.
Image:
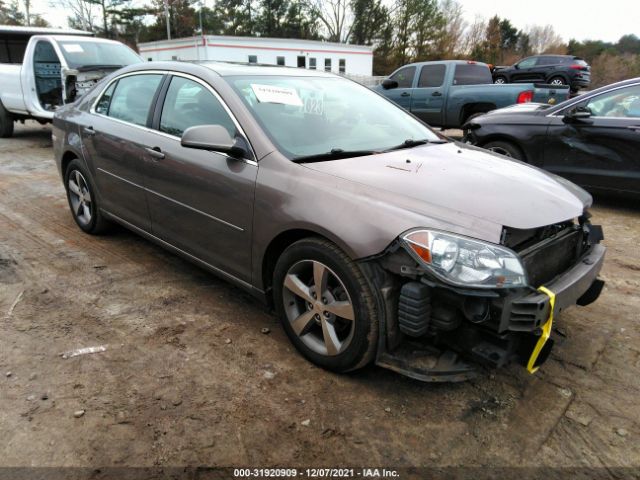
(188, 378)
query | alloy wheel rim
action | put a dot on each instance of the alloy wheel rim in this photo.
(501, 151)
(500, 81)
(318, 307)
(557, 82)
(80, 197)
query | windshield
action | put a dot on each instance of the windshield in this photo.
(307, 116)
(81, 54)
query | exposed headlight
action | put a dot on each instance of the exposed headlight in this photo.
(465, 262)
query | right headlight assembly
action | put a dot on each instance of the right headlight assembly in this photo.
(465, 262)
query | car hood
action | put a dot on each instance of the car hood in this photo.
(459, 183)
(519, 108)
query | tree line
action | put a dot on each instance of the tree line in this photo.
(401, 31)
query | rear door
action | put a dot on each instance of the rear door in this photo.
(402, 94)
(524, 70)
(545, 66)
(200, 201)
(113, 139)
(427, 101)
(600, 152)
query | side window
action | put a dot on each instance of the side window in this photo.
(188, 104)
(253, 59)
(527, 62)
(327, 64)
(624, 102)
(132, 98)
(404, 77)
(280, 61)
(102, 107)
(431, 76)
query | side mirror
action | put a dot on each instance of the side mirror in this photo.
(214, 138)
(578, 113)
(388, 84)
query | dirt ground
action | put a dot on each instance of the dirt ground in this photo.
(188, 378)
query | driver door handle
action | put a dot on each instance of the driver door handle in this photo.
(436, 94)
(405, 94)
(89, 131)
(635, 128)
(155, 152)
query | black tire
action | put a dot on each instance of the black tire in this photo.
(507, 149)
(94, 223)
(361, 347)
(6, 123)
(560, 80)
(500, 79)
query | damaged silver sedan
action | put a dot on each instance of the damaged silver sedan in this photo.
(374, 238)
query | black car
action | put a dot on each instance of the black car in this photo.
(593, 140)
(551, 69)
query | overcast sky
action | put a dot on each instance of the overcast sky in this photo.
(581, 19)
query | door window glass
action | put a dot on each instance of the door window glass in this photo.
(527, 62)
(624, 102)
(132, 98)
(188, 104)
(431, 76)
(102, 106)
(404, 77)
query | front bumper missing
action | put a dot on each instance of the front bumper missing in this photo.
(530, 320)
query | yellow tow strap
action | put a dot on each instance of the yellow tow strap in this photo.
(546, 331)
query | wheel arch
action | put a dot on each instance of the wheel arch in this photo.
(562, 75)
(469, 109)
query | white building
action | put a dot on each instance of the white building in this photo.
(334, 57)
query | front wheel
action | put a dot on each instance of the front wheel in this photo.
(326, 305)
(500, 80)
(507, 149)
(557, 82)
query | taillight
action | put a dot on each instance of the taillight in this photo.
(525, 97)
(578, 67)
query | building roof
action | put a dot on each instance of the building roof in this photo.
(225, 69)
(258, 42)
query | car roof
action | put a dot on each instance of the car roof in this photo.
(75, 38)
(229, 69)
(16, 29)
(454, 62)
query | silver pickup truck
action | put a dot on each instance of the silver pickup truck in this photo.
(44, 68)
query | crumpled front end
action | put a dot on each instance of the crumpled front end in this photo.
(436, 331)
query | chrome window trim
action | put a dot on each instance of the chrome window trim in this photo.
(588, 96)
(92, 110)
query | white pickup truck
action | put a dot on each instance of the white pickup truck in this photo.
(44, 68)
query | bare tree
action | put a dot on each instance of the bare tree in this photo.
(545, 40)
(336, 17)
(474, 37)
(449, 43)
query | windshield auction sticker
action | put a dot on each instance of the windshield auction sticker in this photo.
(72, 48)
(273, 94)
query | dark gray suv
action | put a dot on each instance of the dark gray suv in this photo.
(550, 69)
(373, 237)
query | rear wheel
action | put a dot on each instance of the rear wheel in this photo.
(557, 81)
(6, 123)
(500, 80)
(507, 149)
(82, 200)
(326, 305)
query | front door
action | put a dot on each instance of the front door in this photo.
(427, 102)
(200, 201)
(600, 152)
(525, 71)
(112, 139)
(402, 93)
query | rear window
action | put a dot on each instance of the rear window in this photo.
(472, 74)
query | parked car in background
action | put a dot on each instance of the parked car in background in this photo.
(447, 93)
(554, 70)
(41, 69)
(374, 237)
(592, 140)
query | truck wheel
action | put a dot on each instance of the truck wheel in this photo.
(326, 305)
(500, 80)
(557, 81)
(507, 149)
(6, 123)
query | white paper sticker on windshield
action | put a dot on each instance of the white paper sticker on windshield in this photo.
(72, 48)
(274, 94)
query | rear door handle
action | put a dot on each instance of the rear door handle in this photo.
(155, 152)
(635, 128)
(436, 94)
(89, 131)
(405, 94)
